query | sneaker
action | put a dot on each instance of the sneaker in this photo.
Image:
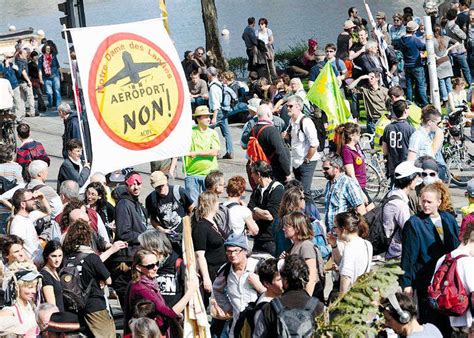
(228, 156)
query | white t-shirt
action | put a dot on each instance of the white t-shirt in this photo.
(466, 273)
(24, 228)
(356, 258)
(237, 216)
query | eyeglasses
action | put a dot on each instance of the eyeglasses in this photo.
(150, 266)
(330, 51)
(397, 20)
(233, 252)
(426, 174)
(289, 106)
(326, 168)
(29, 199)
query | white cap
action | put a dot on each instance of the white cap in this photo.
(406, 169)
(41, 32)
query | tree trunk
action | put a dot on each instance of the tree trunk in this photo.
(213, 44)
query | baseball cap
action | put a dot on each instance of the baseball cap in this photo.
(27, 275)
(430, 164)
(239, 240)
(406, 169)
(470, 188)
(380, 15)
(157, 178)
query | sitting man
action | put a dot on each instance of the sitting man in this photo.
(198, 90)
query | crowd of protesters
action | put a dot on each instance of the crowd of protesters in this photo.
(68, 251)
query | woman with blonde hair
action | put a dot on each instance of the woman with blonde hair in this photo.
(347, 141)
(143, 286)
(208, 239)
(21, 301)
(297, 228)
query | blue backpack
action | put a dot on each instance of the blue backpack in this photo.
(319, 239)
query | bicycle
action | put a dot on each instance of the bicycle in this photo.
(459, 161)
(7, 127)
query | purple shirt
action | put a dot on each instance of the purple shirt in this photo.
(355, 157)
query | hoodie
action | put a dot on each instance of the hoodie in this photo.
(130, 222)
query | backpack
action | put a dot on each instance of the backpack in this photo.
(254, 149)
(229, 97)
(176, 197)
(319, 239)
(295, 322)
(222, 220)
(74, 294)
(374, 218)
(318, 123)
(6, 184)
(447, 293)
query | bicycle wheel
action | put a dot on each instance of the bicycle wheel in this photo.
(460, 170)
(9, 136)
(374, 183)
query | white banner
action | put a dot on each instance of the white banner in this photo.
(136, 94)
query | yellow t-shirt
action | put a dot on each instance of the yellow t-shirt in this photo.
(202, 140)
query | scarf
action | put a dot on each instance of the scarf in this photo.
(47, 63)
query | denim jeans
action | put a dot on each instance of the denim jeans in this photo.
(445, 87)
(460, 63)
(223, 124)
(416, 76)
(304, 174)
(194, 185)
(53, 85)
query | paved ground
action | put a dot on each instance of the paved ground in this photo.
(49, 127)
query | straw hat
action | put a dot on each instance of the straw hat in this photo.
(202, 111)
(348, 24)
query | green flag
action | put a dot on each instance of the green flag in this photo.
(325, 94)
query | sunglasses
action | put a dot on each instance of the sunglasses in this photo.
(289, 106)
(426, 174)
(326, 168)
(150, 266)
(330, 51)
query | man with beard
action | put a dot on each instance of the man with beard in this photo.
(130, 222)
(342, 191)
(25, 202)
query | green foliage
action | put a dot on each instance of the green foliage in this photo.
(352, 315)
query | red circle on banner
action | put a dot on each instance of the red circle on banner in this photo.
(146, 121)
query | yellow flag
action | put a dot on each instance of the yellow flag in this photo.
(164, 15)
(325, 94)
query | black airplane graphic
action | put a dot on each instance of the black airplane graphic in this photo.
(131, 70)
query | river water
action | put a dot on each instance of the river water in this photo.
(291, 21)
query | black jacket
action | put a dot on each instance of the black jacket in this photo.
(70, 171)
(275, 149)
(71, 130)
(130, 222)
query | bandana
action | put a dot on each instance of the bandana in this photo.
(132, 179)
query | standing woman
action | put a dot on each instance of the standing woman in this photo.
(347, 141)
(208, 239)
(144, 286)
(443, 63)
(52, 287)
(49, 74)
(265, 34)
(297, 228)
(351, 252)
(96, 198)
(292, 200)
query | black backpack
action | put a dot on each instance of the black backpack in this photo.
(295, 322)
(380, 242)
(6, 184)
(74, 294)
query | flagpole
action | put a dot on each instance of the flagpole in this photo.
(379, 36)
(76, 98)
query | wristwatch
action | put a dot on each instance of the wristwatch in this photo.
(306, 160)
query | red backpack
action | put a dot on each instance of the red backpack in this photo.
(254, 149)
(447, 293)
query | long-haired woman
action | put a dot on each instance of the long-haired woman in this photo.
(347, 141)
(144, 286)
(52, 287)
(351, 252)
